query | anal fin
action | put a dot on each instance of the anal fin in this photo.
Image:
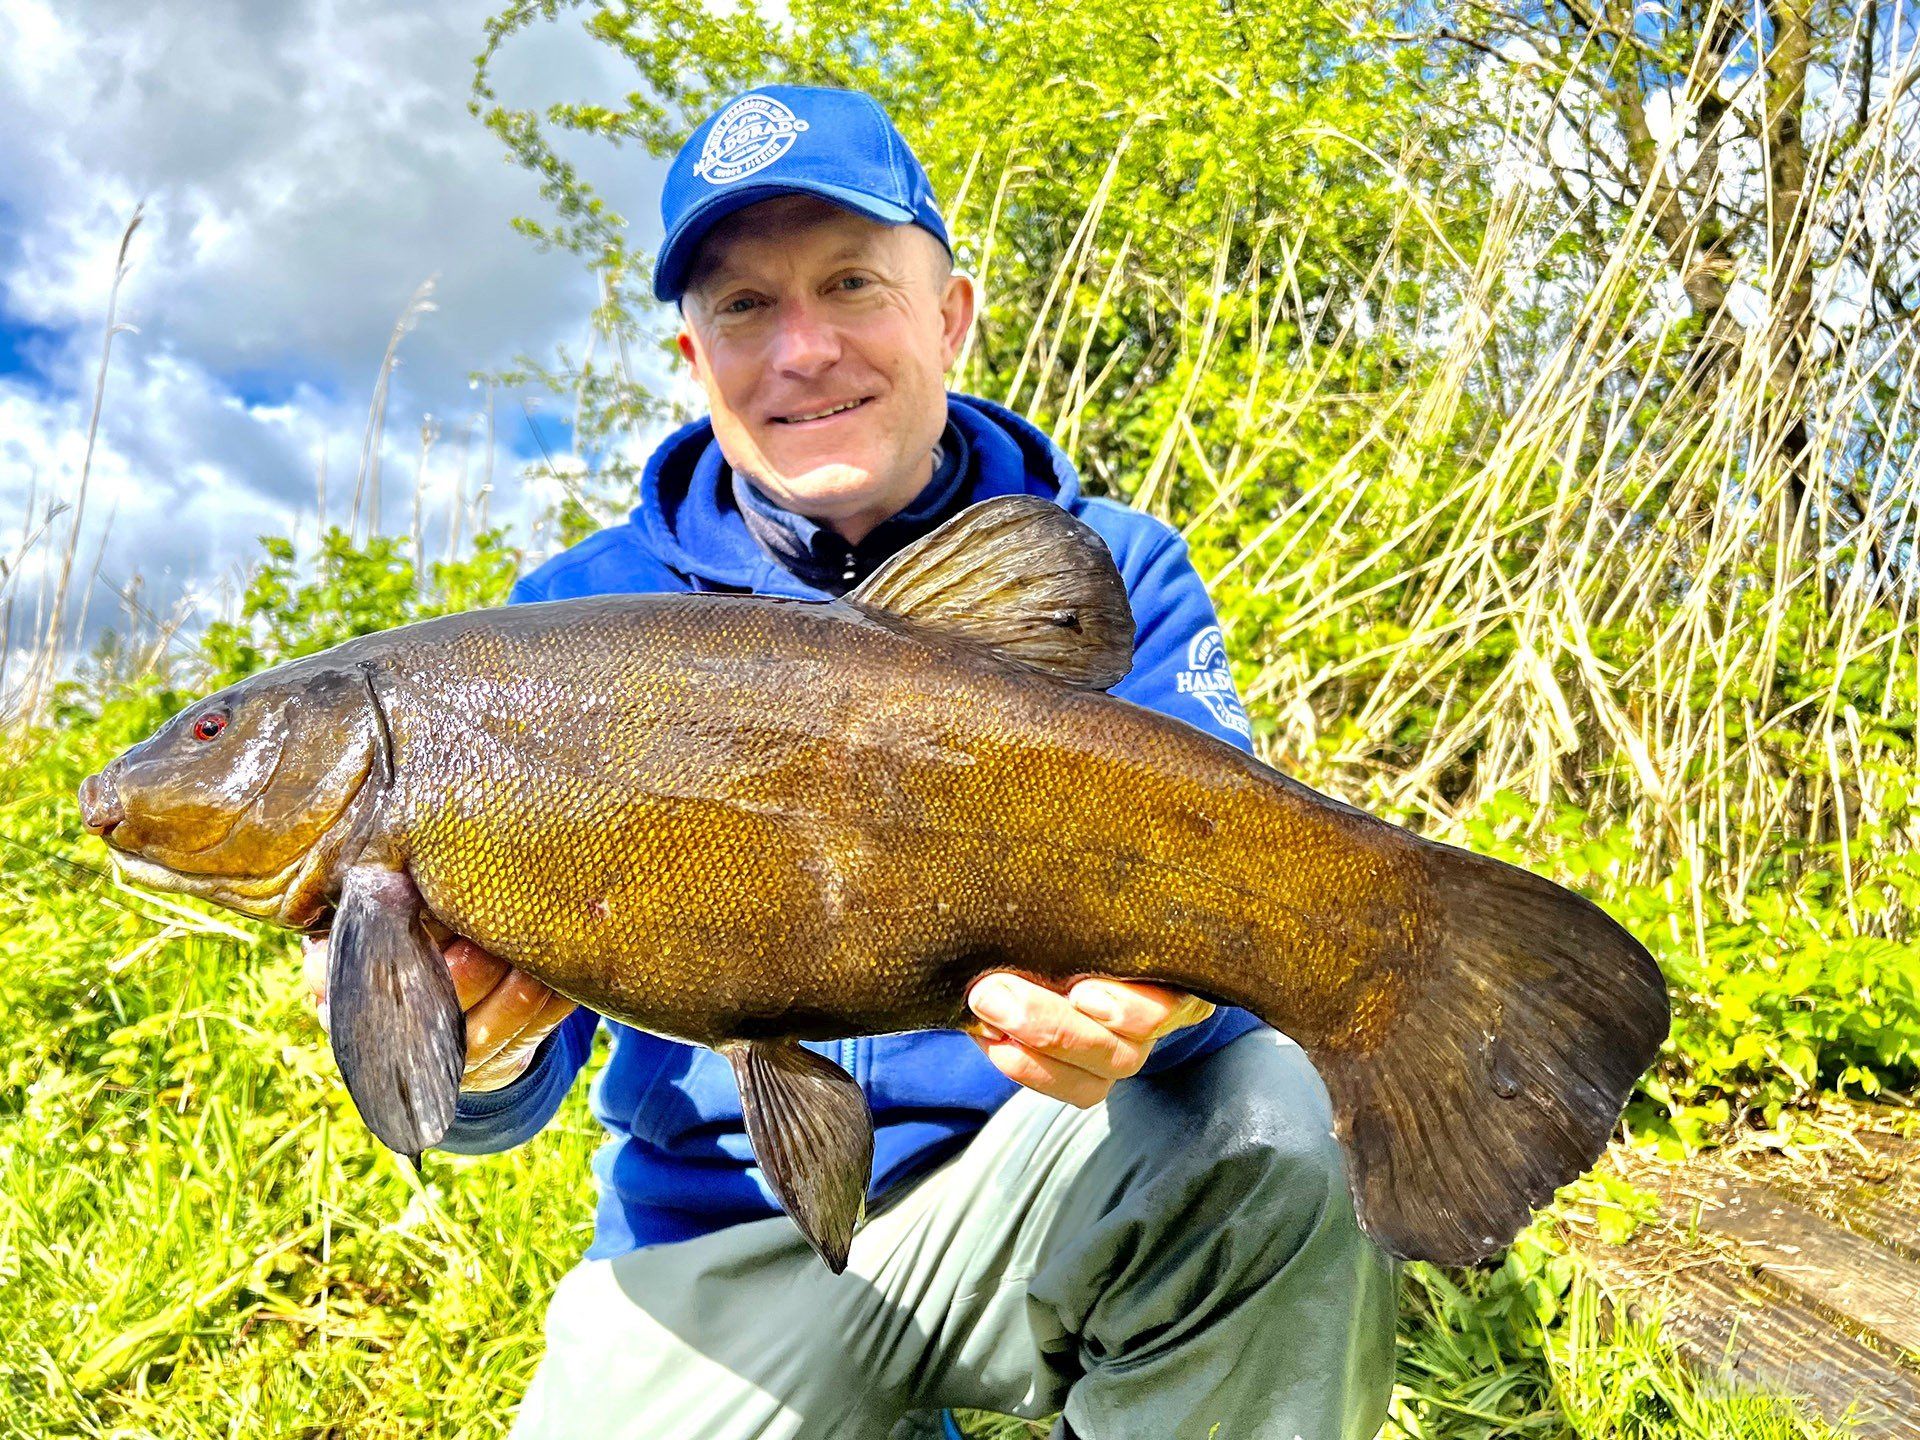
(399, 1035)
(811, 1132)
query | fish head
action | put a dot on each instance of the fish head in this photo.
(249, 797)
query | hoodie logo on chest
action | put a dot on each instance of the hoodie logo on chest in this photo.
(1210, 681)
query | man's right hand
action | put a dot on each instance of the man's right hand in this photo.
(508, 1011)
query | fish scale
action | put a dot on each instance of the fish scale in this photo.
(748, 822)
(810, 852)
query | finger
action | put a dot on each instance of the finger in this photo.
(1136, 1010)
(510, 1061)
(1047, 1075)
(507, 1010)
(313, 965)
(474, 972)
(1053, 1026)
(980, 1030)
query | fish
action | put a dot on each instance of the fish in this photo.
(746, 822)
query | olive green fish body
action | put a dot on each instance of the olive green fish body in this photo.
(745, 822)
(716, 817)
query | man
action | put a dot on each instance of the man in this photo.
(1175, 1255)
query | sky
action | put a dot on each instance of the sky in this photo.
(305, 166)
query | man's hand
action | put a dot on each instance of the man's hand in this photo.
(1073, 1047)
(508, 1011)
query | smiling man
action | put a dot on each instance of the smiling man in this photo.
(832, 403)
(1117, 1202)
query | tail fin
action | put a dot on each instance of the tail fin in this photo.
(1531, 1015)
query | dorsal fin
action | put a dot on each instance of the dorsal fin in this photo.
(1018, 577)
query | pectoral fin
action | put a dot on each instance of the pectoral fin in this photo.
(398, 1032)
(811, 1133)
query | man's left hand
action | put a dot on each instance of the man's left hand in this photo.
(1073, 1047)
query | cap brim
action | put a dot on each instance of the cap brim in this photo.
(676, 253)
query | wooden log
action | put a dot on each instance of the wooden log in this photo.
(1795, 1277)
(1859, 1283)
(1756, 1335)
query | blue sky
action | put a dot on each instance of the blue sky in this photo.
(305, 165)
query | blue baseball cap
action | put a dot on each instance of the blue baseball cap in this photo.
(789, 140)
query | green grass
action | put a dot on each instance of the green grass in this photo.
(198, 1239)
(1524, 583)
(1530, 1350)
(196, 1235)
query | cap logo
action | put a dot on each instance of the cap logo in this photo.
(750, 135)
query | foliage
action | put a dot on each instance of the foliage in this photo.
(1528, 1349)
(1097, 174)
(1771, 1007)
(354, 590)
(197, 1237)
(1771, 167)
(1491, 564)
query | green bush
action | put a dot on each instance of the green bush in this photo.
(1771, 1008)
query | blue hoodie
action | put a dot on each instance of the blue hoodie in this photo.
(677, 1163)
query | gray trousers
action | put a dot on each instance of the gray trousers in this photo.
(1180, 1263)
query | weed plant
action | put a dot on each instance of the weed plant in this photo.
(1497, 558)
(199, 1239)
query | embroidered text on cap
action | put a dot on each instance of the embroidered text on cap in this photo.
(750, 135)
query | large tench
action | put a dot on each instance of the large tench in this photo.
(747, 822)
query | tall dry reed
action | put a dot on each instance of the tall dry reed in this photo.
(1578, 573)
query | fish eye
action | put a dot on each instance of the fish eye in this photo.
(210, 724)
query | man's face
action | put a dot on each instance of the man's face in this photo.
(822, 339)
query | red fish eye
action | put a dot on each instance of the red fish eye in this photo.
(209, 725)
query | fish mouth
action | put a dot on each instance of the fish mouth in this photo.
(101, 809)
(258, 897)
(824, 413)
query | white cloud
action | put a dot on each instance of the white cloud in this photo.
(182, 501)
(305, 165)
